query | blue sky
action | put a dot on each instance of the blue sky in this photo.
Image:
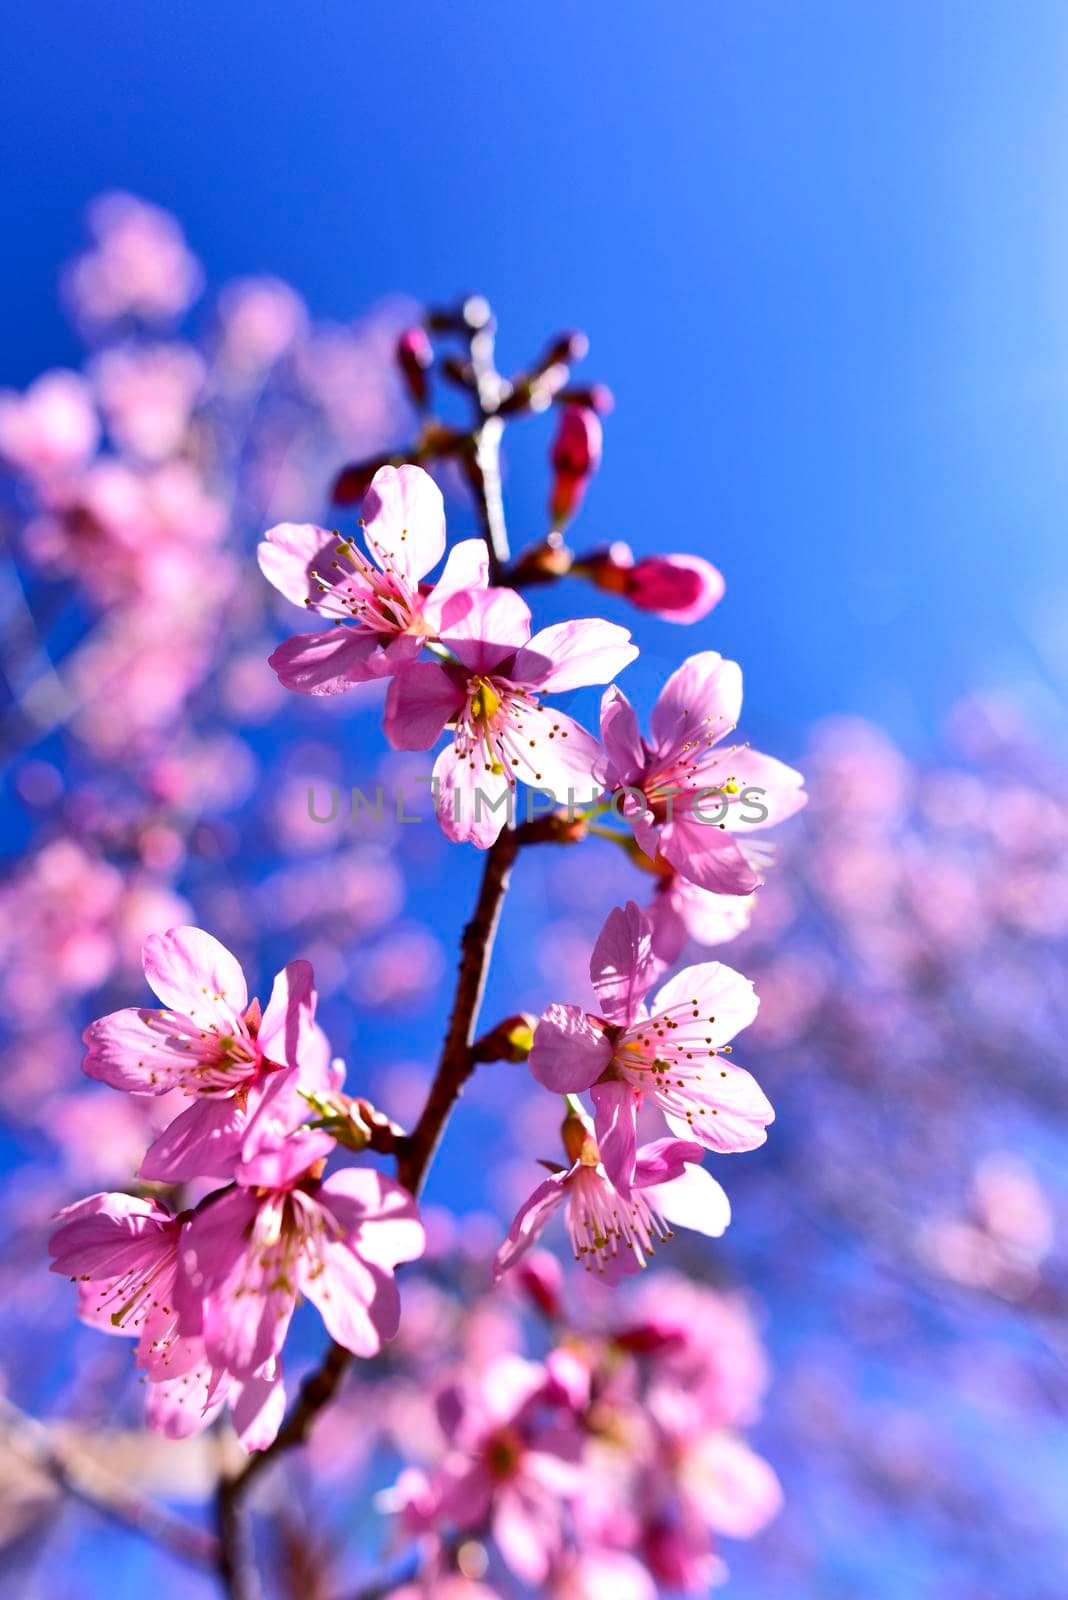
(820, 251)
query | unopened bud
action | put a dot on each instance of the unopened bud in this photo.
(575, 1136)
(576, 455)
(511, 1040)
(353, 482)
(679, 588)
(541, 1277)
(415, 357)
(352, 1121)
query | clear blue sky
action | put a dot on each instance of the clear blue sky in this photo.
(820, 249)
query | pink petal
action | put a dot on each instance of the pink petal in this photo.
(359, 1304)
(140, 1051)
(404, 521)
(731, 1488)
(286, 1024)
(664, 1160)
(258, 1406)
(202, 1142)
(332, 661)
(714, 990)
(621, 738)
(568, 655)
(526, 1527)
(496, 625)
(692, 1200)
(378, 1216)
(570, 1051)
(247, 1299)
(736, 1113)
(708, 856)
(473, 803)
(616, 1122)
(293, 551)
(704, 696)
(422, 698)
(449, 602)
(529, 1221)
(109, 1235)
(182, 1406)
(554, 753)
(196, 975)
(622, 967)
(782, 790)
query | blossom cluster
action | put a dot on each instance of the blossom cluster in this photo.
(209, 1292)
(608, 1459)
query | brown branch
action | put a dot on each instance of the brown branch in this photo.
(414, 1156)
(82, 1477)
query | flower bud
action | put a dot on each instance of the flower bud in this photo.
(676, 587)
(576, 455)
(415, 357)
(541, 1277)
(511, 1040)
(353, 482)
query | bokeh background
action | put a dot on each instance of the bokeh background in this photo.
(821, 256)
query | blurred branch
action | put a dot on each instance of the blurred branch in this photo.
(82, 1477)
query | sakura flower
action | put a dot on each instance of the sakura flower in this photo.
(123, 1252)
(515, 1461)
(147, 394)
(679, 588)
(613, 1230)
(684, 794)
(490, 691)
(250, 1252)
(52, 428)
(674, 1051)
(210, 1043)
(139, 264)
(259, 320)
(383, 614)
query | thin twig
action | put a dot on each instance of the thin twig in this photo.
(84, 1479)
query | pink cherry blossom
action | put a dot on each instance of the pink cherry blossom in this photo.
(139, 264)
(52, 429)
(260, 319)
(210, 1043)
(515, 1461)
(124, 1254)
(686, 795)
(383, 614)
(250, 1252)
(491, 692)
(613, 1230)
(147, 394)
(675, 1051)
(679, 588)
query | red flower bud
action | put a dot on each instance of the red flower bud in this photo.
(576, 455)
(676, 587)
(415, 357)
(353, 482)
